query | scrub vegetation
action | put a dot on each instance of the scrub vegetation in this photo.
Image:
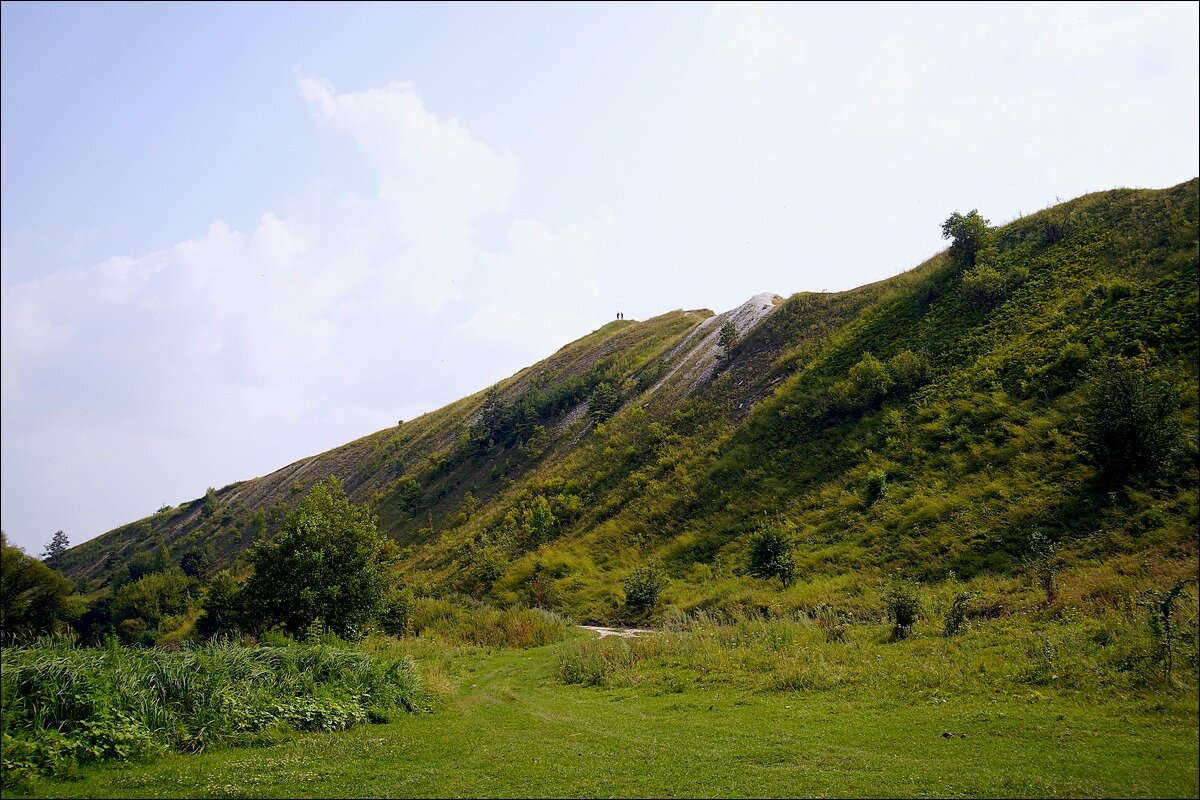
(965, 496)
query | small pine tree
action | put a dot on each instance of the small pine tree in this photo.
(728, 337)
(57, 546)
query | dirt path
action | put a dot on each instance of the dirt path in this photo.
(624, 633)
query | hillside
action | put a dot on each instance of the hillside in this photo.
(929, 424)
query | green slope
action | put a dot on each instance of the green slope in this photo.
(644, 441)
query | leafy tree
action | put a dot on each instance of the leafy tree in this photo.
(728, 337)
(408, 494)
(643, 587)
(33, 596)
(487, 431)
(144, 563)
(325, 564)
(538, 519)
(210, 503)
(196, 562)
(57, 546)
(1131, 420)
(969, 235)
(772, 551)
(222, 607)
(153, 597)
(1042, 558)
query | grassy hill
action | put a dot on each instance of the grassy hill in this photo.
(939, 423)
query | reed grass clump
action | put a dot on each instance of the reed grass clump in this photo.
(64, 705)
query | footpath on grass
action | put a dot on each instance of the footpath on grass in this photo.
(511, 728)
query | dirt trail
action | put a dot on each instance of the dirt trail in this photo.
(624, 633)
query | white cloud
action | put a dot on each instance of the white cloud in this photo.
(751, 46)
(237, 351)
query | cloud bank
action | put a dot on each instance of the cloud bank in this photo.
(310, 329)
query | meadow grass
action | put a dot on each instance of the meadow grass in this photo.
(508, 726)
(1025, 705)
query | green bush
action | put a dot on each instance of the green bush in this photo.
(643, 587)
(874, 486)
(326, 562)
(958, 612)
(904, 607)
(773, 551)
(983, 287)
(1132, 425)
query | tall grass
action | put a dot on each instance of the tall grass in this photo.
(64, 705)
(463, 620)
(1098, 655)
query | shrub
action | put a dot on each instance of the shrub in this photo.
(643, 587)
(772, 551)
(983, 287)
(958, 612)
(874, 486)
(903, 607)
(33, 597)
(728, 337)
(871, 379)
(909, 370)
(1131, 420)
(970, 234)
(64, 705)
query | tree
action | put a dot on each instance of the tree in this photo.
(772, 551)
(970, 234)
(195, 562)
(488, 430)
(210, 503)
(222, 607)
(326, 564)
(603, 401)
(904, 607)
(1131, 420)
(33, 596)
(728, 337)
(57, 546)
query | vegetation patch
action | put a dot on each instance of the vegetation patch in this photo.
(64, 706)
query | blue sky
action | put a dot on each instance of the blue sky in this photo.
(235, 235)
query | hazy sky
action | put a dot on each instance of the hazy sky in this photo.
(237, 235)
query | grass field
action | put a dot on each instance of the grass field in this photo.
(507, 725)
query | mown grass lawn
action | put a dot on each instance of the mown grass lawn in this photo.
(510, 728)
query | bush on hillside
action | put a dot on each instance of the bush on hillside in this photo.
(772, 551)
(1131, 420)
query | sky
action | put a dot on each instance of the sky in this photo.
(234, 235)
